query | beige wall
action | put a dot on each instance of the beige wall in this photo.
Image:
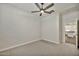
(50, 27)
(17, 26)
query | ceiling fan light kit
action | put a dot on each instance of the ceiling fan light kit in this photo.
(42, 9)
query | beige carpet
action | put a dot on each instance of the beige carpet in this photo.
(42, 48)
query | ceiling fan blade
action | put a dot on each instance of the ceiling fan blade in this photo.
(35, 11)
(37, 5)
(40, 14)
(49, 6)
(49, 12)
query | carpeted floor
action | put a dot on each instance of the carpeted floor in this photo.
(42, 48)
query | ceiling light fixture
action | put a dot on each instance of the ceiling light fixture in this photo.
(42, 11)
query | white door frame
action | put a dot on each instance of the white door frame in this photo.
(63, 33)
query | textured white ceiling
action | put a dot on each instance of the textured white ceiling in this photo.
(58, 7)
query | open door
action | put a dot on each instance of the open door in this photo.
(70, 33)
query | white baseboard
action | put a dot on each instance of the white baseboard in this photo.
(18, 45)
(51, 41)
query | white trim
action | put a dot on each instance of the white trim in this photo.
(77, 35)
(52, 41)
(63, 31)
(18, 45)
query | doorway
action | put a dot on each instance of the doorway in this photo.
(71, 33)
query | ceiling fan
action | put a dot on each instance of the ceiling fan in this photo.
(43, 10)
